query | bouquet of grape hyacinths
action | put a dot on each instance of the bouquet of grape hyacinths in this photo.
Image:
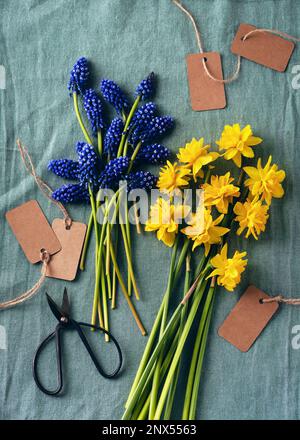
(105, 158)
(229, 205)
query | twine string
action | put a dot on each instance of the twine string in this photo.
(45, 257)
(236, 72)
(45, 189)
(280, 299)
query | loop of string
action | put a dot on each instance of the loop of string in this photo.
(45, 257)
(282, 300)
(236, 72)
(45, 189)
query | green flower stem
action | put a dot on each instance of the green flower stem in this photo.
(129, 263)
(99, 140)
(134, 154)
(193, 365)
(104, 302)
(128, 120)
(173, 387)
(114, 275)
(86, 242)
(146, 375)
(154, 330)
(82, 126)
(155, 385)
(142, 408)
(127, 225)
(198, 294)
(194, 397)
(127, 297)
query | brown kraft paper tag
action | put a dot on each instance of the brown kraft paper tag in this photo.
(263, 48)
(205, 93)
(32, 230)
(64, 264)
(247, 319)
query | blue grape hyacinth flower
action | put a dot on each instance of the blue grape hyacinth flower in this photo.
(113, 137)
(141, 180)
(157, 127)
(66, 168)
(154, 154)
(113, 172)
(113, 94)
(93, 109)
(70, 193)
(79, 76)
(89, 164)
(146, 87)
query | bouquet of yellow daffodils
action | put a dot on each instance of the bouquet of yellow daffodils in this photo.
(226, 205)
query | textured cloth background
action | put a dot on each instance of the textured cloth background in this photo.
(125, 40)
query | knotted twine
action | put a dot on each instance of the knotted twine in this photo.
(236, 72)
(45, 256)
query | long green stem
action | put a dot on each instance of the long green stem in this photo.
(82, 126)
(193, 364)
(155, 327)
(172, 391)
(86, 242)
(127, 297)
(194, 397)
(128, 120)
(147, 371)
(129, 263)
(190, 319)
(155, 385)
(133, 157)
(104, 302)
(142, 408)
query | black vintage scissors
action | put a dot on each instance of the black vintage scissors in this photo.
(65, 322)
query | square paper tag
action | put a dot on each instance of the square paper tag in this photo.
(64, 264)
(32, 230)
(205, 93)
(247, 319)
(263, 48)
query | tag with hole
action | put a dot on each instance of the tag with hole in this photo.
(247, 319)
(32, 230)
(205, 93)
(64, 264)
(263, 48)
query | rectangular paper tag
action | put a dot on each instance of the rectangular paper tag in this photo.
(247, 319)
(64, 264)
(263, 48)
(32, 230)
(205, 93)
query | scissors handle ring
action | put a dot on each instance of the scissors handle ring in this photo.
(56, 335)
(112, 375)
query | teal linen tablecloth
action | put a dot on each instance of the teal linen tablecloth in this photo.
(125, 40)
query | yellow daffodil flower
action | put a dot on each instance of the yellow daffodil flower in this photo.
(252, 215)
(195, 156)
(220, 192)
(237, 143)
(265, 181)
(228, 270)
(203, 229)
(164, 218)
(172, 177)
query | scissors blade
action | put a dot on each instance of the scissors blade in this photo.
(65, 307)
(57, 312)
